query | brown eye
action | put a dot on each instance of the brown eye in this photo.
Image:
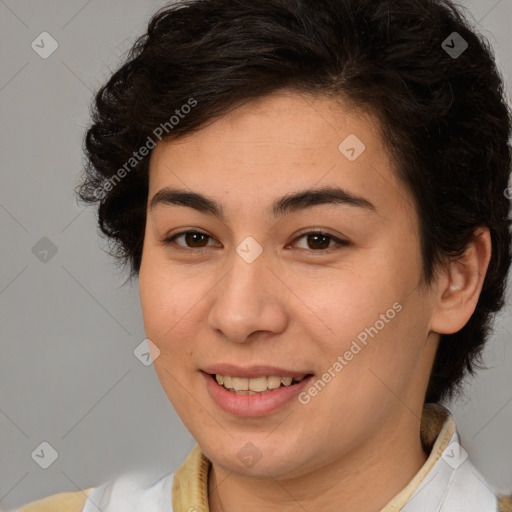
(320, 241)
(193, 239)
(316, 241)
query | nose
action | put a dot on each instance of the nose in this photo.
(249, 299)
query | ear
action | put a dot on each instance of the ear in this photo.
(460, 285)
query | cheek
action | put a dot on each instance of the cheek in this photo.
(336, 306)
(173, 301)
(160, 309)
(165, 300)
(366, 319)
(165, 295)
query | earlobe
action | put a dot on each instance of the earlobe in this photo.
(461, 284)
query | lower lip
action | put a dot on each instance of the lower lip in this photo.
(253, 405)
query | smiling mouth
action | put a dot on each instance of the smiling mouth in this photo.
(256, 385)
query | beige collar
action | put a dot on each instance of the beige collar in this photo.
(190, 484)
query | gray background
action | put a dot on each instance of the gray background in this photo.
(68, 374)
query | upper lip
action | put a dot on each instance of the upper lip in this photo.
(252, 371)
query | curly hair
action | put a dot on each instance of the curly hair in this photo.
(444, 119)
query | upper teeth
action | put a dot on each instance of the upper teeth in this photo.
(256, 384)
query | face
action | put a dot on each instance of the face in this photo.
(259, 288)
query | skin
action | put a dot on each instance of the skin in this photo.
(356, 444)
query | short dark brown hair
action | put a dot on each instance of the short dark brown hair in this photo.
(444, 119)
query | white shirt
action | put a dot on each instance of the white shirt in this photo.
(447, 482)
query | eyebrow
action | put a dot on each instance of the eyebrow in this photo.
(289, 203)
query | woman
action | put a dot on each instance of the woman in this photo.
(313, 197)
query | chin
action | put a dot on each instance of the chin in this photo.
(256, 455)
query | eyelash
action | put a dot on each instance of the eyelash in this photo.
(340, 243)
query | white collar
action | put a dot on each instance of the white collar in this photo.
(447, 482)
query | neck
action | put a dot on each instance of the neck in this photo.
(365, 479)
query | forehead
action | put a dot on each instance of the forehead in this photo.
(283, 142)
